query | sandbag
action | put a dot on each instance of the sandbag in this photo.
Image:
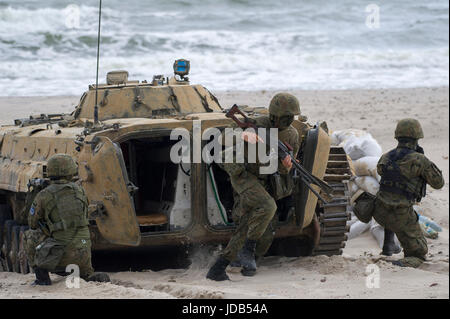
(352, 187)
(356, 143)
(378, 233)
(358, 147)
(338, 137)
(357, 229)
(367, 166)
(368, 184)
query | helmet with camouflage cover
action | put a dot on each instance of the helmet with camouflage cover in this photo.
(61, 165)
(409, 128)
(283, 104)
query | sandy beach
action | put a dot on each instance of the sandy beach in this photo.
(375, 111)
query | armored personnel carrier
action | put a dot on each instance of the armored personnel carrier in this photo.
(140, 198)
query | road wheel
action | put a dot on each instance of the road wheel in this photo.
(23, 260)
(5, 214)
(14, 252)
(7, 241)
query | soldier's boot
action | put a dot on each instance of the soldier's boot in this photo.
(99, 277)
(238, 264)
(389, 245)
(217, 271)
(413, 262)
(248, 261)
(42, 277)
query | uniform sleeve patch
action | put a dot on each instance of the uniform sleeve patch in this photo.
(32, 211)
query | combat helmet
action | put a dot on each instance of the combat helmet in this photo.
(284, 104)
(61, 165)
(282, 109)
(410, 128)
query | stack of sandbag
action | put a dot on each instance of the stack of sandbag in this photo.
(364, 152)
(356, 143)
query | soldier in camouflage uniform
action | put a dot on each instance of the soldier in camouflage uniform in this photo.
(255, 207)
(59, 233)
(404, 172)
(281, 116)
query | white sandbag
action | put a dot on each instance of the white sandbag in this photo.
(358, 147)
(356, 143)
(334, 139)
(367, 166)
(338, 137)
(353, 219)
(352, 187)
(378, 233)
(368, 184)
(357, 229)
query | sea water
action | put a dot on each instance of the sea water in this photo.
(48, 47)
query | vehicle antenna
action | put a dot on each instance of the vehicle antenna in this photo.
(98, 58)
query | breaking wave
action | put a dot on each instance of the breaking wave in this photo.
(245, 45)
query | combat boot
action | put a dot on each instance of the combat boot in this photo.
(237, 262)
(99, 277)
(389, 245)
(248, 261)
(217, 271)
(42, 277)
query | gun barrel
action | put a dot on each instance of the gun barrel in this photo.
(306, 176)
(313, 179)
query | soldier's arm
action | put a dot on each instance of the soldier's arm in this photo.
(85, 198)
(432, 174)
(37, 211)
(381, 164)
(294, 141)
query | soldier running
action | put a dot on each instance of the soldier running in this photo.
(255, 207)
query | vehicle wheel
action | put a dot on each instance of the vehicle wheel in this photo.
(334, 215)
(5, 214)
(7, 241)
(292, 247)
(14, 252)
(23, 260)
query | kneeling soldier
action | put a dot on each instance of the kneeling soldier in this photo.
(59, 233)
(404, 172)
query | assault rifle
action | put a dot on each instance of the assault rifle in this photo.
(284, 150)
(423, 187)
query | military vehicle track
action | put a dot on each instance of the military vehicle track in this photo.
(333, 216)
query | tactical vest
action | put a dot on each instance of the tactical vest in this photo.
(394, 181)
(67, 209)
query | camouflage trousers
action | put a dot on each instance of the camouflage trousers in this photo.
(253, 212)
(403, 221)
(78, 256)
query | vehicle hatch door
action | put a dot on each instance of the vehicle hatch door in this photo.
(105, 180)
